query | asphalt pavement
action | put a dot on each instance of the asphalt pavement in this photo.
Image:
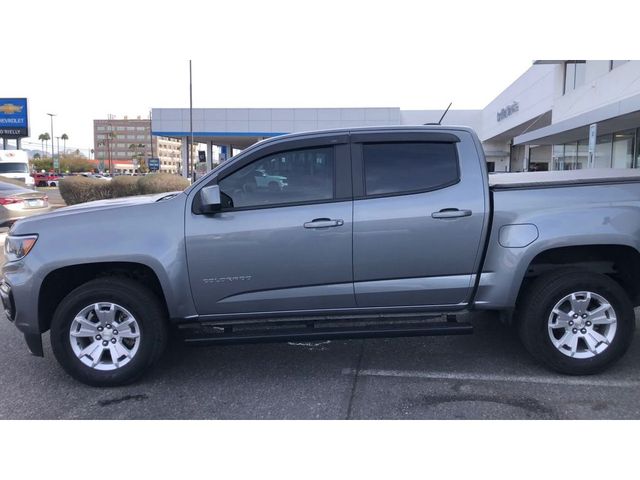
(487, 375)
(55, 199)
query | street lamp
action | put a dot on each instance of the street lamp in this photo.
(52, 115)
(58, 148)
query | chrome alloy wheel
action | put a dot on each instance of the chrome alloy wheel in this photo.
(105, 336)
(582, 325)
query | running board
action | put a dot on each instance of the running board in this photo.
(312, 331)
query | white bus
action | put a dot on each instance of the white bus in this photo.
(15, 164)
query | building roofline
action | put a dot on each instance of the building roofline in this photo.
(610, 111)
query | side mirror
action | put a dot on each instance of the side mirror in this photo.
(210, 199)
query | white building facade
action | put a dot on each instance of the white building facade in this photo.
(540, 122)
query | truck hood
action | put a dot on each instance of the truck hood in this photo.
(31, 223)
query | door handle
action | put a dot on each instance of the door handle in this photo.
(451, 213)
(323, 223)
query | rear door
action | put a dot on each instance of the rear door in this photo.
(419, 218)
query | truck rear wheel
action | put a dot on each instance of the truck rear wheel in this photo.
(108, 332)
(576, 322)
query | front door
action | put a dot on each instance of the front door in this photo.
(283, 240)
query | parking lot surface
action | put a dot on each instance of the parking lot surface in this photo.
(487, 375)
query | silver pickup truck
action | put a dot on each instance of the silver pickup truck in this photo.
(368, 232)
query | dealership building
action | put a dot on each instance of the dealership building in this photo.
(542, 121)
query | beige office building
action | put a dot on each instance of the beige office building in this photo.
(126, 141)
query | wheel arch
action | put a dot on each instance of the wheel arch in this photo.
(620, 262)
(60, 282)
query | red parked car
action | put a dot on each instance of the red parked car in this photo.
(48, 179)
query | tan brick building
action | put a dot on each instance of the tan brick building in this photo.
(125, 140)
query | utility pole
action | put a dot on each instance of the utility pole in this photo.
(151, 133)
(190, 144)
(52, 115)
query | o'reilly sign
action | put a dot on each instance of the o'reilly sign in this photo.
(14, 121)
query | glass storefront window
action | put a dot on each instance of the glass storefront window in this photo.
(603, 152)
(570, 156)
(582, 155)
(623, 149)
(558, 157)
(516, 161)
(539, 158)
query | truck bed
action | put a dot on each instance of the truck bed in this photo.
(591, 176)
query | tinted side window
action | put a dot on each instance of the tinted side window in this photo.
(287, 177)
(408, 166)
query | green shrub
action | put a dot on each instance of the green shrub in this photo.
(125, 186)
(161, 182)
(81, 189)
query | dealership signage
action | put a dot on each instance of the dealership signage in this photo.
(14, 121)
(508, 111)
(593, 133)
(154, 164)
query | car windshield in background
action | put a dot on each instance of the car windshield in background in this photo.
(13, 167)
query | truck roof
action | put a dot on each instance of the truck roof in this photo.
(13, 156)
(382, 128)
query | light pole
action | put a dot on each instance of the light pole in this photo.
(52, 115)
(58, 148)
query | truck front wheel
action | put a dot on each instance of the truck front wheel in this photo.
(576, 322)
(109, 331)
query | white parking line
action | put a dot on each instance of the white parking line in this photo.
(479, 377)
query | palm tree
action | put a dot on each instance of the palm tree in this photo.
(44, 138)
(136, 155)
(64, 138)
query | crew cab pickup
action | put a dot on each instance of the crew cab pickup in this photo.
(386, 231)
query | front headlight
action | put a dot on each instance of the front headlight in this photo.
(17, 247)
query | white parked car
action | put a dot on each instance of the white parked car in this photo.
(96, 175)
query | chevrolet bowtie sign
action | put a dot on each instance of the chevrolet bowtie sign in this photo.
(14, 122)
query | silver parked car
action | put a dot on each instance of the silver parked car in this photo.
(17, 202)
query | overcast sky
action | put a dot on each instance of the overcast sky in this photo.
(83, 60)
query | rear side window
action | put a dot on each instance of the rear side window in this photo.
(395, 168)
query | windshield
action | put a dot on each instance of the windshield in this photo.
(13, 167)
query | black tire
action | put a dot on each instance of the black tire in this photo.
(538, 302)
(143, 304)
(274, 187)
